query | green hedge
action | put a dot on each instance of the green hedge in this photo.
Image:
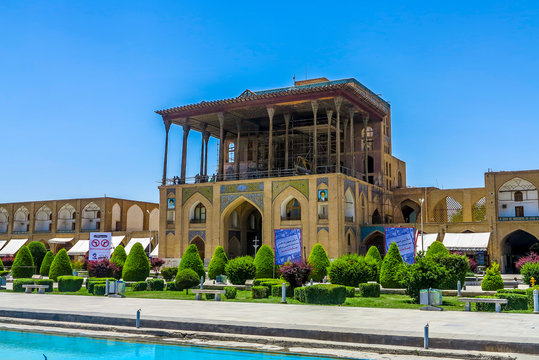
(119, 256)
(485, 306)
(48, 282)
(277, 290)
(299, 294)
(514, 301)
(156, 284)
(99, 289)
(230, 292)
(68, 283)
(38, 251)
(264, 262)
(240, 269)
(186, 279)
(140, 286)
(91, 282)
(327, 294)
(169, 273)
(23, 265)
(210, 296)
(529, 295)
(171, 286)
(137, 265)
(191, 260)
(259, 292)
(270, 284)
(319, 261)
(61, 265)
(18, 283)
(350, 291)
(511, 291)
(46, 264)
(217, 263)
(369, 290)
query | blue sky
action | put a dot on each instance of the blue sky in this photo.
(80, 82)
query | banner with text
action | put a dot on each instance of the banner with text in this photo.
(99, 246)
(405, 238)
(287, 246)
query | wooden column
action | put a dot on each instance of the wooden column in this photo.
(338, 102)
(329, 114)
(186, 129)
(352, 142)
(286, 123)
(202, 152)
(346, 150)
(271, 112)
(167, 128)
(366, 147)
(314, 105)
(220, 170)
(237, 149)
(206, 138)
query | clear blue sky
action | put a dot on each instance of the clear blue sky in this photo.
(80, 82)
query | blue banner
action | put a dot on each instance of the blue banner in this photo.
(287, 246)
(405, 239)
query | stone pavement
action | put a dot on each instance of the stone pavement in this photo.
(388, 324)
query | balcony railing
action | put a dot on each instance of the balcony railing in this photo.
(518, 218)
(322, 216)
(42, 231)
(348, 219)
(19, 232)
(198, 221)
(65, 231)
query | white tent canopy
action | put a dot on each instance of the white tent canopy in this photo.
(2, 243)
(143, 241)
(60, 240)
(115, 241)
(80, 248)
(13, 246)
(155, 252)
(428, 240)
(467, 241)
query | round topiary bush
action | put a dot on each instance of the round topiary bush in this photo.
(319, 261)
(23, 265)
(493, 279)
(217, 263)
(61, 265)
(137, 265)
(374, 254)
(169, 273)
(186, 279)
(391, 265)
(46, 264)
(38, 251)
(240, 269)
(264, 262)
(119, 256)
(230, 292)
(436, 249)
(140, 286)
(191, 260)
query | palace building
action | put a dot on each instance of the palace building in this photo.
(317, 158)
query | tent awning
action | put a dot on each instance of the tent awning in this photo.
(155, 252)
(428, 239)
(13, 246)
(60, 240)
(467, 241)
(143, 241)
(2, 243)
(80, 248)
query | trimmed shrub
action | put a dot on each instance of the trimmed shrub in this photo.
(436, 249)
(18, 283)
(457, 266)
(264, 262)
(4, 273)
(374, 254)
(511, 291)
(119, 256)
(171, 286)
(48, 282)
(391, 266)
(529, 270)
(350, 291)
(210, 296)
(424, 274)
(319, 261)
(67, 283)
(99, 289)
(61, 265)
(186, 279)
(38, 251)
(296, 274)
(140, 286)
(156, 284)
(369, 290)
(137, 265)
(277, 290)
(1, 265)
(230, 292)
(529, 295)
(259, 292)
(257, 282)
(169, 273)
(46, 264)
(493, 279)
(191, 260)
(23, 265)
(91, 282)
(103, 268)
(325, 294)
(514, 301)
(352, 269)
(299, 294)
(217, 263)
(270, 284)
(240, 269)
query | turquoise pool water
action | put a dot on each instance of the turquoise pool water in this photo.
(31, 346)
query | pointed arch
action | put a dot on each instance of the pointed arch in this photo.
(518, 198)
(201, 246)
(116, 217)
(4, 220)
(290, 209)
(376, 217)
(448, 210)
(66, 218)
(376, 238)
(134, 218)
(349, 206)
(479, 210)
(363, 204)
(91, 217)
(350, 238)
(154, 220)
(21, 220)
(410, 211)
(43, 219)
(198, 213)
(514, 246)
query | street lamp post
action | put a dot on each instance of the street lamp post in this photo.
(422, 244)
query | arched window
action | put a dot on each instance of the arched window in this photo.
(231, 152)
(200, 214)
(293, 210)
(234, 219)
(519, 196)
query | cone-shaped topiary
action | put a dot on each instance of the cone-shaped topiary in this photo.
(264, 262)
(119, 256)
(391, 265)
(493, 279)
(217, 263)
(436, 249)
(46, 264)
(186, 279)
(374, 254)
(137, 265)
(23, 265)
(38, 251)
(61, 265)
(191, 260)
(319, 261)
(1, 265)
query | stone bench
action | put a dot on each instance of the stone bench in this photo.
(199, 293)
(468, 301)
(40, 288)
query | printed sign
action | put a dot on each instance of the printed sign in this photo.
(404, 237)
(171, 204)
(287, 246)
(99, 246)
(322, 195)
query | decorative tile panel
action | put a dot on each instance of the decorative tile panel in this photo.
(206, 191)
(320, 228)
(301, 185)
(348, 228)
(242, 188)
(200, 233)
(256, 197)
(349, 184)
(322, 180)
(171, 232)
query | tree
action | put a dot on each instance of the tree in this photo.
(436, 249)
(240, 269)
(46, 264)
(61, 265)
(352, 270)
(23, 265)
(38, 251)
(217, 263)
(424, 274)
(391, 265)
(264, 262)
(119, 256)
(493, 279)
(137, 265)
(186, 279)
(319, 261)
(191, 260)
